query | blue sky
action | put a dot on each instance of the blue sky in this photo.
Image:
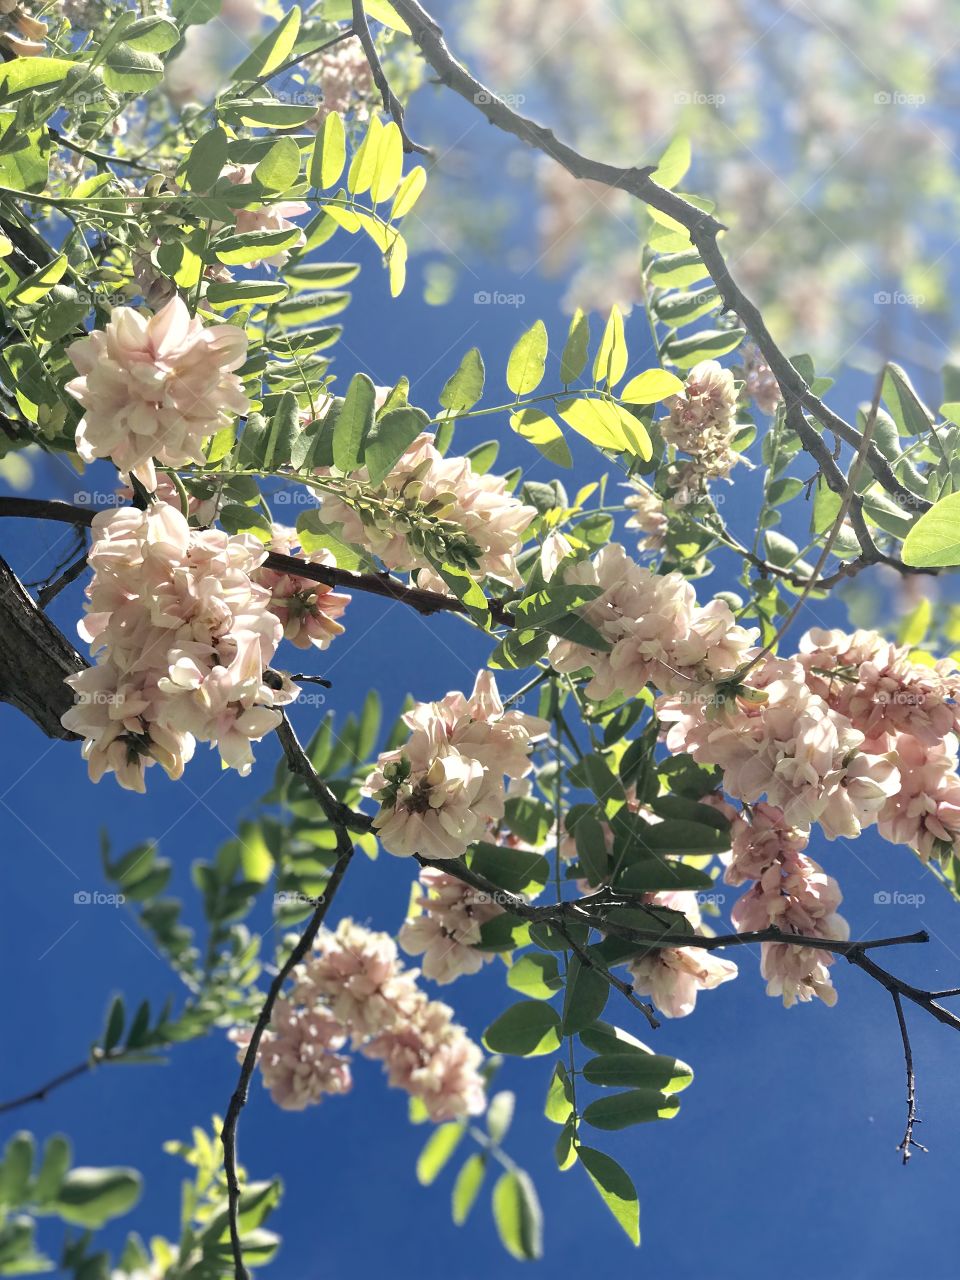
(782, 1158)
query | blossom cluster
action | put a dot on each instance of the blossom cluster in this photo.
(345, 79)
(702, 420)
(183, 634)
(307, 610)
(392, 519)
(443, 788)
(266, 217)
(673, 976)
(354, 992)
(849, 733)
(790, 892)
(446, 927)
(155, 388)
(656, 630)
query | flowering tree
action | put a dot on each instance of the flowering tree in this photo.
(165, 315)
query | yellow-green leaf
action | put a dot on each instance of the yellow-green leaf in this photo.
(611, 362)
(33, 287)
(527, 360)
(329, 153)
(389, 164)
(651, 386)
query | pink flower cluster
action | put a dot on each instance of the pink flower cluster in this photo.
(703, 420)
(155, 388)
(346, 82)
(440, 791)
(673, 976)
(354, 990)
(657, 632)
(445, 928)
(183, 634)
(789, 892)
(648, 515)
(308, 610)
(778, 738)
(849, 733)
(423, 480)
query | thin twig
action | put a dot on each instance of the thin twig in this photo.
(702, 227)
(391, 103)
(908, 1142)
(70, 574)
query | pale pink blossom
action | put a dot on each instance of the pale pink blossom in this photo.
(446, 929)
(425, 486)
(345, 80)
(274, 216)
(702, 419)
(440, 791)
(308, 610)
(299, 1056)
(674, 976)
(155, 388)
(648, 516)
(925, 812)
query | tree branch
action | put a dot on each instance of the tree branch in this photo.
(703, 229)
(378, 584)
(228, 1134)
(391, 102)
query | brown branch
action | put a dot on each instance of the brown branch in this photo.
(378, 584)
(702, 227)
(908, 1141)
(391, 102)
(228, 1134)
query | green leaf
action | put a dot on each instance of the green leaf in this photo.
(408, 193)
(91, 1197)
(651, 386)
(585, 997)
(934, 541)
(274, 49)
(440, 1146)
(636, 1106)
(15, 1170)
(573, 361)
(329, 153)
(500, 1115)
(654, 874)
(115, 1022)
(536, 975)
(353, 422)
(616, 1189)
(364, 162)
(676, 270)
(467, 1187)
(152, 35)
(22, 75)
(565, 1152)
(517, 1213)
(611, 361)
(591, 849)
(36, 285)
(379, 10)
(559, 1104)
(392, 433)
(284, 429)
(53, 1169)
(604, 1038)
(464, 388)
(527, 360)
(540, 430)
(252, 246)
(389, 164)
(598, 420)
(280, 167)
(527, 1030)
(707, 344)
(515, 870)
(909, 412)
(674, 163)
(245, 293)
(652, 1071)
(206, 160)
(131, 71)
